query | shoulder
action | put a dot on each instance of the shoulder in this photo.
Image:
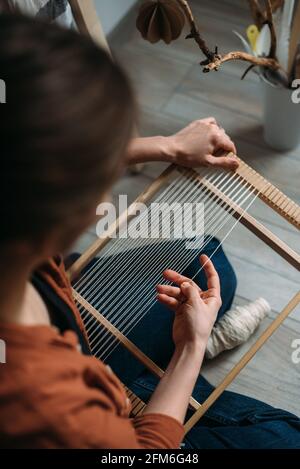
(47, 373)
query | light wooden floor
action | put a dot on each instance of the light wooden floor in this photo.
(173, 91)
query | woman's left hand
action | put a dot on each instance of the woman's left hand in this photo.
(195, 310)
(199, 143)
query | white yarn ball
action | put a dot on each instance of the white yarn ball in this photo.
(236, 327)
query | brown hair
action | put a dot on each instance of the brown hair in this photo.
(5, 6)
(64, 130)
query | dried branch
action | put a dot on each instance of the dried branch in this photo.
(270, 23)
(258, 15)
(277, 4)
(266, 17)
(214, 60)
(237, 55)
(195, 33)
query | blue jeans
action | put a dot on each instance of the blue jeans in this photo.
(234, 421)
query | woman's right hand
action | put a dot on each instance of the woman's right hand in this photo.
(195, 310)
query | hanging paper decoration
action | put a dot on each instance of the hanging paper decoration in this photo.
(160, 20)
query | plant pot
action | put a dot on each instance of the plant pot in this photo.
(281, 118)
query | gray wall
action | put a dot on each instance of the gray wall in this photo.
(112, 11)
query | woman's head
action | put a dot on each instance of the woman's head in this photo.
(64, 130)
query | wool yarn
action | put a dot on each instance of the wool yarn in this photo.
(236, 327)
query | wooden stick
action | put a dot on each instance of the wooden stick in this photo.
(269, 194)
(243, 362)
(88, 255)
(88, 22)
(269, 15)
(138, 406)
(251, 223)
(136, 352)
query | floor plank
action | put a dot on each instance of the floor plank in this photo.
(271, 375)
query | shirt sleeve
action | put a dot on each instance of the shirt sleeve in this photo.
(88, 409)
(157, 431)
(94, 428)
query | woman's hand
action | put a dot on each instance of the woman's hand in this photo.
(199, 143)
(195, 310)
(202, 143)
(195, 314)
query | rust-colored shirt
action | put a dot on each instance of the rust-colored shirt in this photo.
(52, 396)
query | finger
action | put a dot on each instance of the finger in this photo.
(213, 281)
(209, 120)
(204, 295)
(225, 162)
(168, 301)
(191, 293)
(223, 141)
(177, 278)
(175, 292)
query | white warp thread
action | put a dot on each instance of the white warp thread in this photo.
(236, 327)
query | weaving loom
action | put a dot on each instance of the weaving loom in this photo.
(226, 196)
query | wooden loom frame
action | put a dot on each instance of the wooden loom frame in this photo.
(269, 194)
(89, 24)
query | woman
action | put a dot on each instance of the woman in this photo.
(64, 137)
